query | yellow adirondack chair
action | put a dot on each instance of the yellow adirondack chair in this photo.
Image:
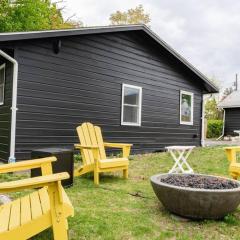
(234, 167)
(46, 207)
(93, 153)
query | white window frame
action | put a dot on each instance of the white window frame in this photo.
(192, 107)
(3, 66)
(139, 104)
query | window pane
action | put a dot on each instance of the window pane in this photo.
(1, 94)
(131, 96)
(2, 75)
(130, 114)
(186, 108)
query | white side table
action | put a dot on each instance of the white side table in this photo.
(180, 155)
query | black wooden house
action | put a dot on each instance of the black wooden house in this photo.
(123, 78)
(231, 106)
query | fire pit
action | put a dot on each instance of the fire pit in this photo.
(197, 196)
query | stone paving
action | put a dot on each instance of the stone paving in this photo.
(212, 142)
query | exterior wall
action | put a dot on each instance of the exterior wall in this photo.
(5, 113)
(232, 121)
(57, 92)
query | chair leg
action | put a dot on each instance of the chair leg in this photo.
(96, 177)
(234, 176)
(60, 232)
(59, 223)
(125, 173)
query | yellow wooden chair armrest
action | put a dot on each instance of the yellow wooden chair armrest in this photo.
(79, 146)
(43, 163)
(235, 148)
(30, 183)
(117, 145)
(126, 147)
(232, 153)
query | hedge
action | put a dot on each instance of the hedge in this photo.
(214, 128)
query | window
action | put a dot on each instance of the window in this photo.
(131, 105)
(2, 83)
(186, 108)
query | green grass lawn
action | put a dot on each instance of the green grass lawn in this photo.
(128, 209)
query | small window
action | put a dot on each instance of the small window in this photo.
(2, 83)
(186, 108)
(131, 105)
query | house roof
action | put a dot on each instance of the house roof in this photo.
(231, 101)
(16, 36)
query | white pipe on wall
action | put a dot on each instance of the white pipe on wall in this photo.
(223, 129)
(203, 118)
(203, 123)
(14, 109)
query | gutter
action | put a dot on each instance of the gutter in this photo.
(14, 109)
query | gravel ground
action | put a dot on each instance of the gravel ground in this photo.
(195, 181)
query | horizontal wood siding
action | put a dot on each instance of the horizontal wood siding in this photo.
(57, 92)
(5, 113)
(232, 121)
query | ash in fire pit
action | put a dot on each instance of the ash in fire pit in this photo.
(198, 181)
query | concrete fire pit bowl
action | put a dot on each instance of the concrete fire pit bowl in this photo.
(196, 203)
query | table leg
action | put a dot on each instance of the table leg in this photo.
(184, 161)
(177, 160)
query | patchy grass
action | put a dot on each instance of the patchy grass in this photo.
(128, 209)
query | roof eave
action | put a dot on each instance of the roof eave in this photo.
(237, 106)
(209, 86)
(16, 36)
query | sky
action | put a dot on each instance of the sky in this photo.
(206, 32)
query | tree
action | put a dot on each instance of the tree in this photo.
(30, 15)
(131, 16)
(211, 110)
(227, 92)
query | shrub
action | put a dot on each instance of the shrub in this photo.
(214, 128)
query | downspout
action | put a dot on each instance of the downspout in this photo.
(203, 120)
(223, 129)
(14, 109)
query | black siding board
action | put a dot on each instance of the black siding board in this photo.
(90, 71)
(232, 121)
(83, 83)
(5, 113)
(88, 64)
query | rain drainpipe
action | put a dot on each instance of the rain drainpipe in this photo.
(223, 129)
(14, 109)
(203, 119)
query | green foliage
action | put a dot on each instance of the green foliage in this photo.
(230, 219)
(30, 15)
(211, 110)
(77, 157)
(214, 129)
(131, 16)
(226, 92)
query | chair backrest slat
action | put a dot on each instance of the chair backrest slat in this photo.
(90, 135)
(99, 138)
(87, 155)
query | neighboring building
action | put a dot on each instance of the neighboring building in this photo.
(123, 78)
(231, 106)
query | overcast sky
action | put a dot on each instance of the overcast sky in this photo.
(206, 32)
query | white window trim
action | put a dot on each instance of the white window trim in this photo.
(140, 106)
(192, 107)
(3, 66)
